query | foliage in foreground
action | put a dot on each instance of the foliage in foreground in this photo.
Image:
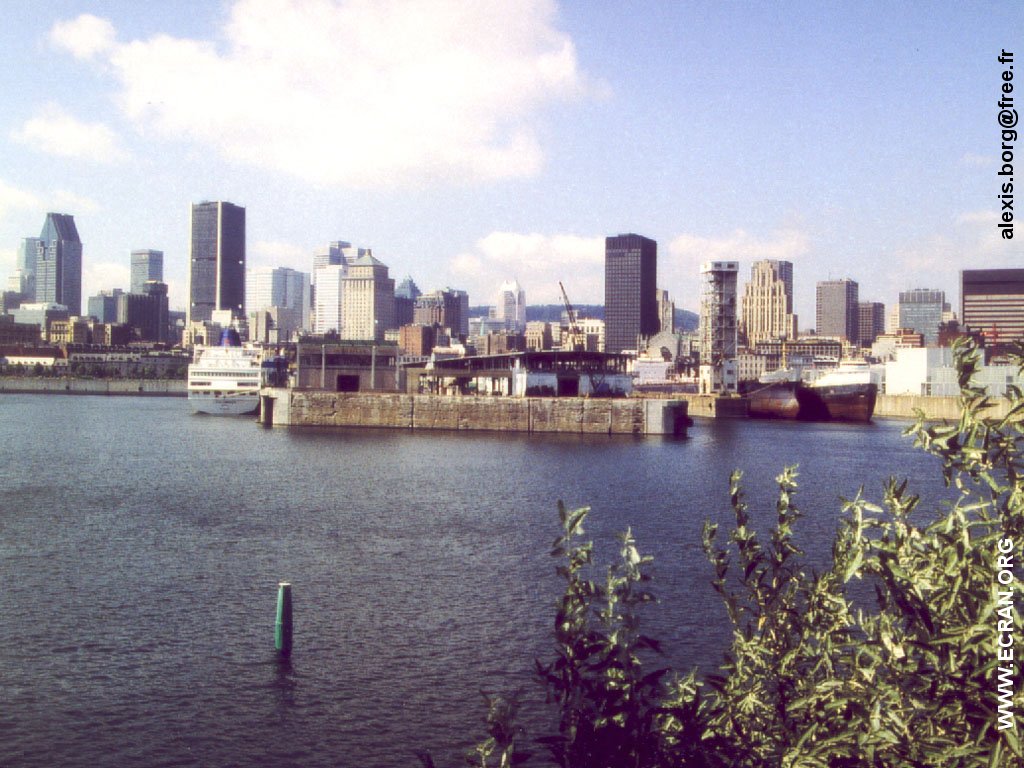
(810, 678)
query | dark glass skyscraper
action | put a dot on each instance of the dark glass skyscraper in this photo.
(992, 302)
(217, 261)
(630, 291)
(59, 263)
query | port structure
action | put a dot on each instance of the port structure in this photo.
(718, 372)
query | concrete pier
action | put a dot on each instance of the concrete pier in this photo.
(612, 416)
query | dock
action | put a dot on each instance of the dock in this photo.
(582, 415)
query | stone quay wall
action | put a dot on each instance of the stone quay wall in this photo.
(73, 386)
(935, 408)
(532, 414)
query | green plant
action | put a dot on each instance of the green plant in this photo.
(912, 677)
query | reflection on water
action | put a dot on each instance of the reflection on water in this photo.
(141, 548)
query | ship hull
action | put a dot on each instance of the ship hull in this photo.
(841, 402)
(775, 401)
(234, 404)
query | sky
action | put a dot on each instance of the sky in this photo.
(468, 143)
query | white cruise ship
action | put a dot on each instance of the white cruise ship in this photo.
(225, 380)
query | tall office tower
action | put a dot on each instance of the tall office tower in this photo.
(871, 322)
(838, 309)
(921, 309)
(368, 300)
(147, 265)
(103, 306)
(630, 291)
(58, 272)
(461, 302)
(216, 279)
(666, 311)
(145, 312)
(992, 303)
(330, 288)
(24, 278)
(510, 306)
(281, 287)
(767, 307)
(892, 319)
(406, 293)
(718, 372)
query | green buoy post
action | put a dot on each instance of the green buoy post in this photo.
(283, 625)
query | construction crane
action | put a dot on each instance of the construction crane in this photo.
(574, 330)
(578, 343)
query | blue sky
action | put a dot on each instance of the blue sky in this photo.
(471, 142)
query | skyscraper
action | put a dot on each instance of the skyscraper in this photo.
(281, 287)
(146, 265)
(406, 293)
(368, 300)
(24, 278)
(872, 322)
(768, 302)
(718, 371)
(992, 302)
(58, 272)
(510, 306)
(630, 291)
(921, 310)
(837, 311)
(216, 279)
(330, 290)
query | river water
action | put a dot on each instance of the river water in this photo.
(141, 547)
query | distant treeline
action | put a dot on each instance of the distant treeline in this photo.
(552, 313)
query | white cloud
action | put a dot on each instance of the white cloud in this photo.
(356, 92)
(103, 275)
(538, 262)
(15, 199)
(56, 132)
(64, 200)
(84, 37)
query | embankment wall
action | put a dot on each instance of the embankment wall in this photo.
(531, 414)
(71, 386)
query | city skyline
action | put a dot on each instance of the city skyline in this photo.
(735, 136)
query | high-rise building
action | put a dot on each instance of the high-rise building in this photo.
(216, 280)
(921, 310)
(767, 307)
(330, 288)
(510, 306)
(630, 291)
(368, 300)
(406, 293)
(58, 272)
(103, 306)
(447, 308)
(23, 280)
(666, 311)
(718, 326)
(146, 265)
(871, 323)
(837, 311)
(281, 287)
(992, 303)
(145, 312)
